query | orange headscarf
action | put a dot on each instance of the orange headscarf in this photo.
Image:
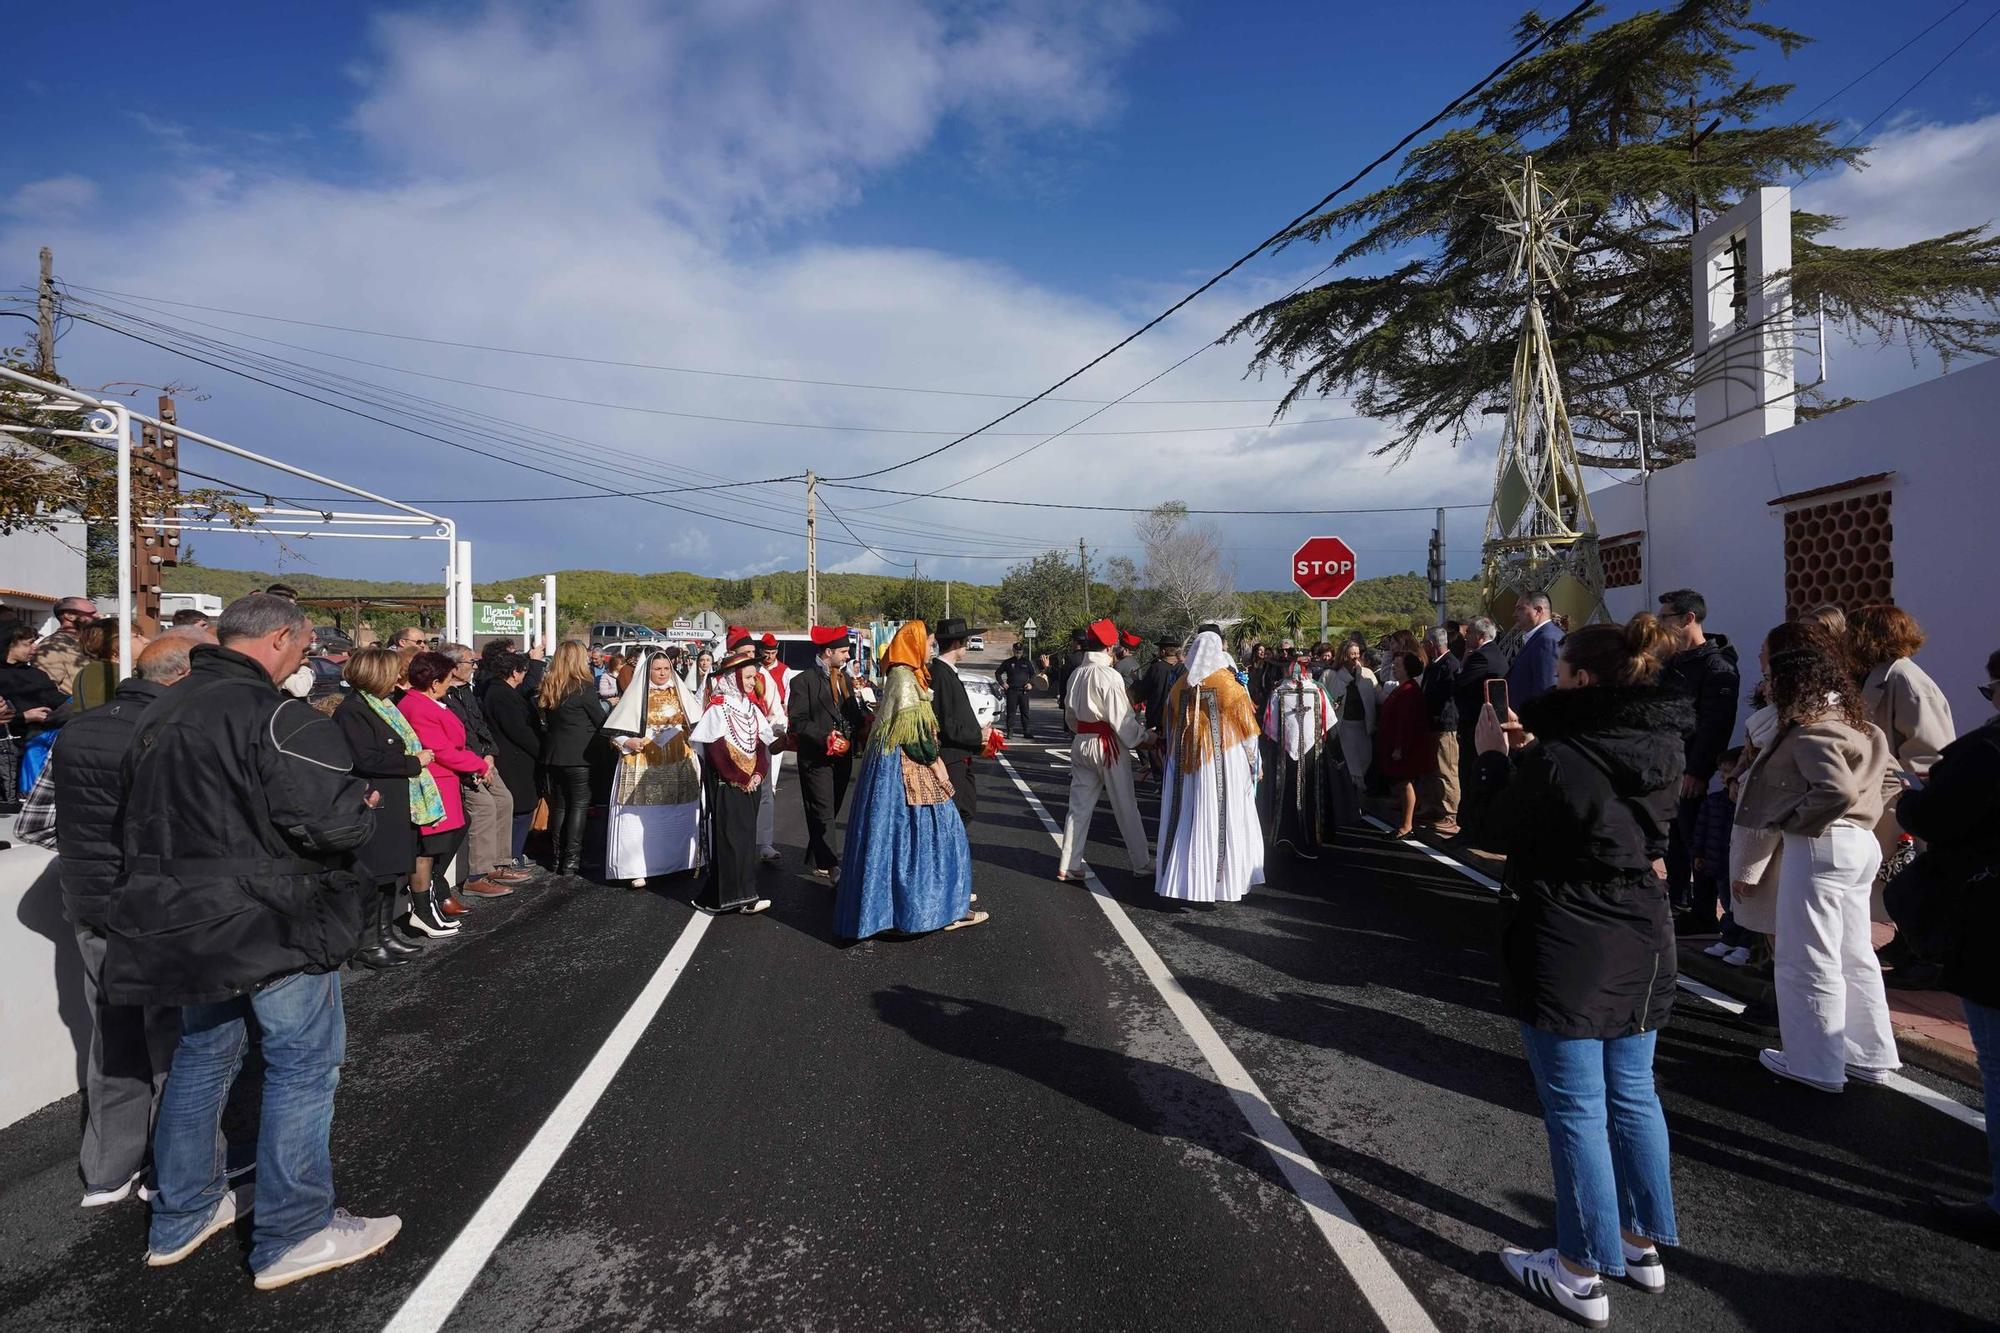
(911, 648)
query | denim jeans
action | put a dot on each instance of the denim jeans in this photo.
(1984, 1021)
(1607, 1142)
(303, 1035)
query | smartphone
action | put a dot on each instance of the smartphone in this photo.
(1496, 696)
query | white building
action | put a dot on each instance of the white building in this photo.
(1892, 500)
(38, 568)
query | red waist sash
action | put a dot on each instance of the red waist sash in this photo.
(1104, 732)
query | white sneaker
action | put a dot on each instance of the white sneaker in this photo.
(1545, 1280)
(769, 855)
(1775, 1062)
(116, 1194)
(1643, 1268)
(1870, 1074)
(1716, 950)
(345, 1240)
(1737, 957)
(235, 1203)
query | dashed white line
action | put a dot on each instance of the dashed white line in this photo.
(452, 1276)
(1380, 1284)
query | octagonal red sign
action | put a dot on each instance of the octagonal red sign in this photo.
(1323, 568)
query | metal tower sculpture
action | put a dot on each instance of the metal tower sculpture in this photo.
(1540, 536)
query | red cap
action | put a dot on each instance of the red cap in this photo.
(734, 633)
(769, 640)
(1130, 640)
(825, 636)
(1103, 633)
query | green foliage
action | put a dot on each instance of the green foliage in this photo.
(1048, 589)
(1608, 114)
(1375, 607)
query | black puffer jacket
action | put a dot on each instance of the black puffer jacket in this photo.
(88, 763)
(1709, 677)
(1957, 814)
(240, 817)
(1586, 936)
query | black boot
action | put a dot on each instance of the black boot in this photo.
(372, 955)
(393, 940)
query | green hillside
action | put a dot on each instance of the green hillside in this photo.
(777, 600)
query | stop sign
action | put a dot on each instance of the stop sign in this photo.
(1323, 568)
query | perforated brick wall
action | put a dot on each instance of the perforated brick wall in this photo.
(1839, 551)
(1621, 558)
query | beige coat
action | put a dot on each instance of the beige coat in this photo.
(1911, 711)
(1817, 774)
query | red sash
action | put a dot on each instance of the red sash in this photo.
(1104, 732)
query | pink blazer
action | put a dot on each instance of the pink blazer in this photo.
(439, 731)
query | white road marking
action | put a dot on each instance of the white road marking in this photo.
(452, 1276)
(1380, 1284)
(1937, 1101)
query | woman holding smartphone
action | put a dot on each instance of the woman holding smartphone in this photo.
(1583, 786)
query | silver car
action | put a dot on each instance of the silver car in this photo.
(985, 696)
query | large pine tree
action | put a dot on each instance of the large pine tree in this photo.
(1613, 116)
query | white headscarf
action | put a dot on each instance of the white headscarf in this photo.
(629, 717)
(1206, 657)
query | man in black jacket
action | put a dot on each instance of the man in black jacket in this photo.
(131, 1046)
(1485, 659)
(1704, 670)
(1440, 687)
(489, 804)
(960, 737)
(236, 901)
(824, 716)
(1017, 677)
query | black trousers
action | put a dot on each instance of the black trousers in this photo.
(1685, 890)
(569, 807)
(822, 787)
(964, 794)
(1017, 703)
(731, 880)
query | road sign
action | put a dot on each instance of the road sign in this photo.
(1029, 628)
(709, 623)
(499, 618)
(1323, 568)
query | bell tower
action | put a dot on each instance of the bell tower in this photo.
(1743, 334)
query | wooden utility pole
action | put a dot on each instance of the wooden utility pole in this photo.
(155, 548)
(1083, 563)
(45, 319)
(812, 550)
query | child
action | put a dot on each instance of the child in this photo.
(1712, 823)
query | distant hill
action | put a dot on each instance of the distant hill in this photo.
(777, 600)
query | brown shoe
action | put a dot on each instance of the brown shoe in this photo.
(508, 876)
(485, 888)
(451, 906)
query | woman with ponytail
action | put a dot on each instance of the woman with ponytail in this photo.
(1583, 786)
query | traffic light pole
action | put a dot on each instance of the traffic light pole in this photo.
(1437, 572)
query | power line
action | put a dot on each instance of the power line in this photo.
(1147, 509)
(1249, 255)
(623, 365)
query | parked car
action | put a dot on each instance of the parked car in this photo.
(977, 643)
(985, 697)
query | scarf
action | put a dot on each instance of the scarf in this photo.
(1209, 686)
(426, 802)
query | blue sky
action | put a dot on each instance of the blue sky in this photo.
(975, 197)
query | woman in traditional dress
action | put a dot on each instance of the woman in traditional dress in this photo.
(907, 865)
(733, 739)
(655, 825)
(1211, 847)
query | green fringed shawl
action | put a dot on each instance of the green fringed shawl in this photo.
(906, 719)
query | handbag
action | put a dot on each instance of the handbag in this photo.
(1927, 901)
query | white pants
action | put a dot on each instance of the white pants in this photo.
(767, 807)
(1086, 781)
(1832, 1010)
(1358, 748)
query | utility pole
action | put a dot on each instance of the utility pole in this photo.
(1083, 563)
(45, 319)
(1437, 574)
(812, 550)
(155, 548)
(947, 599)
(916, 589)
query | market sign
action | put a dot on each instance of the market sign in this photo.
(499, 618)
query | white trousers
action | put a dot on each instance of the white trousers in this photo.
(767, 808)
(1358, 748)
(1086, 781)
(1832, 1010)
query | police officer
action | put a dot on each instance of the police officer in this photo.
(1017, 677)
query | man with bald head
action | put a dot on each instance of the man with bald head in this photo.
(131, 1045)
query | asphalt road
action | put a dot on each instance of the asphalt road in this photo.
(1008, 1127)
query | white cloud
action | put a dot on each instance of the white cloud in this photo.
(55, 199)
(1921, 178)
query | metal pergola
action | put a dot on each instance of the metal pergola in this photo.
(109, 424)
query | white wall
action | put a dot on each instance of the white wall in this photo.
(49, 563)
(43, 1027)
(1710, 526)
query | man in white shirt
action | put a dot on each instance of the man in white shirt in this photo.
(775, 674)
(1099, 712)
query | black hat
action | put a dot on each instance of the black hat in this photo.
(953, 627)
(1168, 642)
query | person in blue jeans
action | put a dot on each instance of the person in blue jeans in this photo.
(1955, 812)
(1582, 787)
(237, 898)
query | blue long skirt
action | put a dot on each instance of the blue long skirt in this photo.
(904, 867)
